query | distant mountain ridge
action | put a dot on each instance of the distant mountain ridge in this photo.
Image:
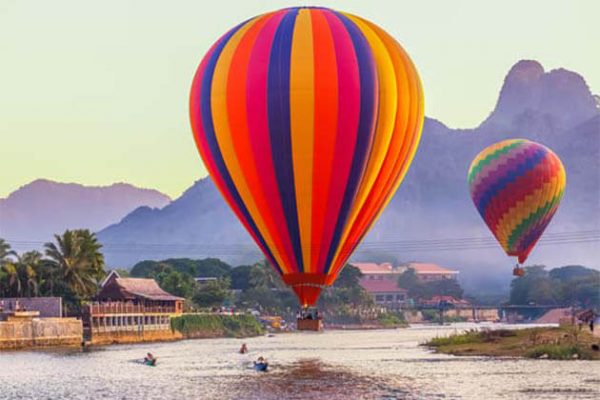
(555, 108)
(39, 209)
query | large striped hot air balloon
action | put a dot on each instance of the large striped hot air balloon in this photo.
(517, 186)
(307, 120)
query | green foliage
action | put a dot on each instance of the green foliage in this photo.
(569, 285)
(558, 352)
(175, 282)
(208, 267)
(72, 269)
(392, 319)
(206, 325)
(472, 336)
(426, 290)
(349, 277)
(212, 293)
(240, 277)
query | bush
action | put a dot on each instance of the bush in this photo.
(471, 336)
(558, 352)
(205, 325)
(391, 319)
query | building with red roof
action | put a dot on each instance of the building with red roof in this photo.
(426, 272)
(385, 292)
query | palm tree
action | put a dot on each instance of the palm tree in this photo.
(28, 265)
(263, 275)
(76, 255)
(9, 282)
(5, 250)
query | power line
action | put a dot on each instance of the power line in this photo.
(426, 245)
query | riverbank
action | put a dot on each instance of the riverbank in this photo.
(556, 343)
(204, 326)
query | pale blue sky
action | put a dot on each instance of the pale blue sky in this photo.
(96, 92)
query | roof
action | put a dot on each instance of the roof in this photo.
(147, 288)
(383, 286)
(372, 268)
(115, 287)
(423, 268)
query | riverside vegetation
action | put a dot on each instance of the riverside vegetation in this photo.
(209, 325)
(560, 343)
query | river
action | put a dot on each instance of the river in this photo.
(385, 364)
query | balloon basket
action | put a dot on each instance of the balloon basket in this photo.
(309, 324)
(518, 271)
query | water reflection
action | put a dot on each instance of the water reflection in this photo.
(314, 379)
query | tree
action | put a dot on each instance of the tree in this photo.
(240, 277)
(348, 277)
(27, 266)
(534, 287)
(411, 282)
(264, 275)
(212, 293)
(444, 287)
(176, 283)
(78, 261)
(5, 251)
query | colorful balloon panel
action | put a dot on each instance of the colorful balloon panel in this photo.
(517, 186)
(307, 119)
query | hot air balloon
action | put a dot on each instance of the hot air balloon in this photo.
(517, 186)
(307, 120)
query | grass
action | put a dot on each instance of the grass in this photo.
(562, 343)
(389, 320)
(211, 325)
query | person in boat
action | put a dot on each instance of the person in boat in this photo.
(243, 349)
(150, 359)
(261, 361)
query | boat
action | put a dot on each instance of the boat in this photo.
(261, 366)
(150, 363)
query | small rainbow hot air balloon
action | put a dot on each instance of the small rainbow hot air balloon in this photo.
(517, 186)
(307, 120)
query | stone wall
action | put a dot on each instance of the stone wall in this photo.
(119, 337)
(40, 332)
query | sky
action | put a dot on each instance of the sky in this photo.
(97, 92)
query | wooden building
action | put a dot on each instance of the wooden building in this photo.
(130, 309)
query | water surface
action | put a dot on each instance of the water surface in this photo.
(332, 365)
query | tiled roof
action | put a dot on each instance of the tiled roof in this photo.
(423, 268)
(372, 268)
(381, 286)
(147, 288)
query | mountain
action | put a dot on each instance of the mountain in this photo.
(555, 108)
(36, 211)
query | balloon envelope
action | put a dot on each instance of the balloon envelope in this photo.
(517, 186)
(307, 119)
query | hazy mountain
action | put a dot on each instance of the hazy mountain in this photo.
(555, 108)
(36, 211)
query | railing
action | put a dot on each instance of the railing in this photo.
(126, 308)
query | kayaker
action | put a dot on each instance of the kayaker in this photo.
(150, 359)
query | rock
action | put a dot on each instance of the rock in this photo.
(544, 356)
(575, 356)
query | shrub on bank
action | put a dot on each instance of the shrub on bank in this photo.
(558, 352)
(212, 325)
(391, 319)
